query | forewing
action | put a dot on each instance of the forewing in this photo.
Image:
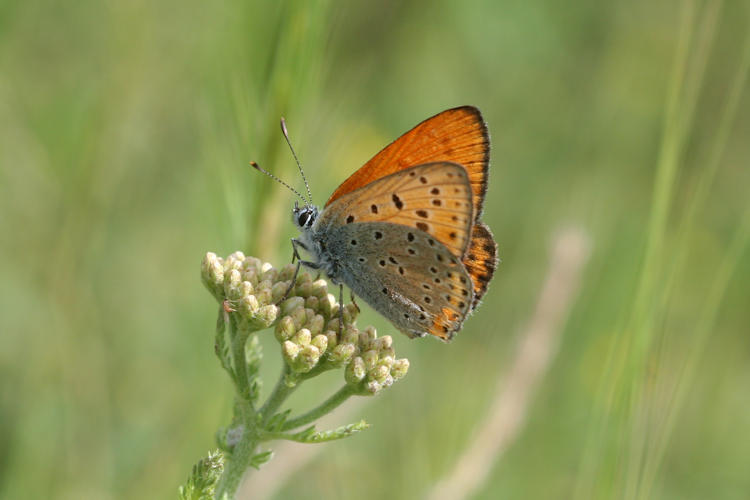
(404, 274)
(435, 198)
(457, 135)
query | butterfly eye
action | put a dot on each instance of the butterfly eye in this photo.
(304, 218)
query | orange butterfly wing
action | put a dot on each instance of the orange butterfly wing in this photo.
(458, 135)
(435, 198)
(480, 259)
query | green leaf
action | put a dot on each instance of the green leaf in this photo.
(221, 439)
(220, 343)
(260, 458)
(253, 356)
(276, 422)
(201, 483)
(309, 435)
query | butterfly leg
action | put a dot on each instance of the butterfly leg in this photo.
(351, 297)
(306, 263)
(291, 284)
(295, 255)
(341, 310)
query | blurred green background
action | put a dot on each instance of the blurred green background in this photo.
(125, 133)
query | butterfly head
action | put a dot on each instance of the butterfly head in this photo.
(304, 217)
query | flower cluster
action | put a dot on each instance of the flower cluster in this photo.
(246, 286)
(310, 330)
(374, 366)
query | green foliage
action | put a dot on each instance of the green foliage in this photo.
(203, 478)
(310, 435)
(253, 355)
(220, 345)
(277, 421)
(260, 458)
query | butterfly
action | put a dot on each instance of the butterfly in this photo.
(404, 231)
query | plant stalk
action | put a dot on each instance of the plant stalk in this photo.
(279, 394)
(238, 461)
(324, 408)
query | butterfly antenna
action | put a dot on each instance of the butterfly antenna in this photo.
(269, 174)
(299, 165)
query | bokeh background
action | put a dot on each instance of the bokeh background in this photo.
(125, 133)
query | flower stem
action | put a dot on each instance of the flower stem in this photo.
(324, 408)
(238, 461)
(239, 338)
(280, 392)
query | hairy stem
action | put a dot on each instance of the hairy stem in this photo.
(324, 408)
(239, 339)
(239, 459)
(280, 392)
